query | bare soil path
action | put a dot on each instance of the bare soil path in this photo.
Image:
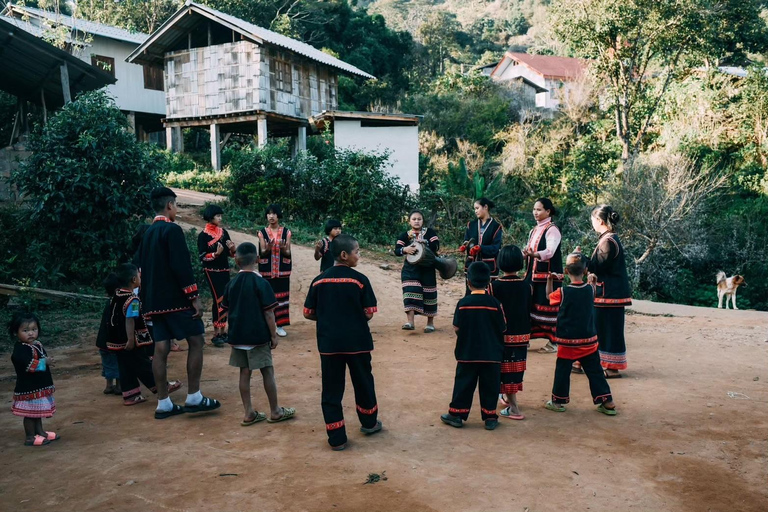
(691, 434)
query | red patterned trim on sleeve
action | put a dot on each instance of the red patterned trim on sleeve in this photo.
(308, 311)
(368, 411)
(191, 289)
(370, 311)
(334, 425)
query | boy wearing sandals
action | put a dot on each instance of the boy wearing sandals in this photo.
(250, 304)
(577, 338)
(479, 324)
(342, 302)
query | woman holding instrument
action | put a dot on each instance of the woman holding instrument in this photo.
(482, 239)
(419, 281)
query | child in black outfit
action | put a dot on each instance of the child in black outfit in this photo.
(515, 294)
(342, 302)
(109, 368)
(323, 247)
(479, 323)
(250, 303)
(577, 338)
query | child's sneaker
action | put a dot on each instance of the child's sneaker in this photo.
(218, 341)
(491, 424)
(603, 409)
(450, 419)
(554, 407)
(372, 430)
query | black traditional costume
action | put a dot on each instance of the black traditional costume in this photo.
(543, 315)
(479, 352)
(215, 267)
(276, 269)
(488, 237)
(577, 341)
(514, 294)
(326, 257)
(612, 295)
(340, 298)
(33, 394)
(419, 282)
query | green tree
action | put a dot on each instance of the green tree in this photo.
(87, 183)
(439, 34)
(641, 46)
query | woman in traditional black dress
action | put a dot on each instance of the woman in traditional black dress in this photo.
(215, 248)
(608, 271)
(419, 281)
(275, 264)
(543, 256)
(482, 239)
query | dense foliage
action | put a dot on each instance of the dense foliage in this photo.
(86, 183)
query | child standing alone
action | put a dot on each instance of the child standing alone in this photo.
(577, 338)
(250, 303)
(342, 302)
(479, 324)
(33, 395)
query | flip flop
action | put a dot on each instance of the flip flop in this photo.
(408, 327)
(603, 409)
(135, 400)
(52, 436)
(288, 413)
(429, 328)
(577, 369)
(175, 347)
(37, 441)
(174, 385)
(612, 375)
(554, 407)
(175, 411)
(205, 405)
(505, 413)
(501, 399)
(260, 416)
(547, 349)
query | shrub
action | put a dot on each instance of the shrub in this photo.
(214, 182)
(87, 181)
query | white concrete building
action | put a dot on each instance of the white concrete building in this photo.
(395, 134)
(138, 91)
(548, 76)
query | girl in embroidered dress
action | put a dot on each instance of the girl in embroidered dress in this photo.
(275, 263)
(215, 248)
(419, 282)
(608, 272)
(543, 257)
(33, 395)
(482, 239)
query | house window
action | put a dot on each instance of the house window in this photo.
(104, 63)
(153, 78)
(283, 76)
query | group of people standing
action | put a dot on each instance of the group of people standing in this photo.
(530, 291)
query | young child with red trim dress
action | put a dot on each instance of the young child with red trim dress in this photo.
(33, 395)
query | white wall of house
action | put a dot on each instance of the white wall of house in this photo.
(555, 88)
(402, 142)
(129, 91)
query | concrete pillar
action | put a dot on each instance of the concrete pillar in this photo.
(65, 83)
(215, 148)
(131, 121)
(302, 139)
(261, 130)
(174, 141)
(169, 138)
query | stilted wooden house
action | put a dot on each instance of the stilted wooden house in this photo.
(236, 77)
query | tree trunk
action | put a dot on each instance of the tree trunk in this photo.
(648, 250)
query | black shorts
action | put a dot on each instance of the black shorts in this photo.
(178, 325)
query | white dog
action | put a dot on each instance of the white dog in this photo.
(726, 287)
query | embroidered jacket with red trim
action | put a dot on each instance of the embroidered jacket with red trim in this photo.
(340, 298)
(515, 296)
(608, 264)
(481, 324)
(33, 374)
(576, 333)
(117, 337)
(167, 281)
(326, 257)
(417, 271)
(275, 264)
(537, 270)
(490, 243)
(207, 242)
(247, 298)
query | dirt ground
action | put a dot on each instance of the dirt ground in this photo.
(690, 435)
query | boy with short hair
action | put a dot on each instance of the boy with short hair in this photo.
(342, 302)
(577, 338)
(323, 247)
(479, 324)
(250, 303)
(172, 303)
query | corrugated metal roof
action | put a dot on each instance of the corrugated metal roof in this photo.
(259, 34)
(550, 66)
(81, 25)
(35, 30)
